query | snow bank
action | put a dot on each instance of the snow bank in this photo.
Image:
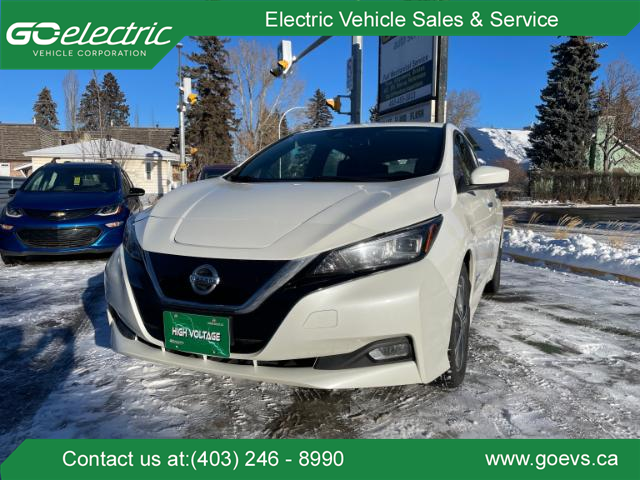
(577, 250)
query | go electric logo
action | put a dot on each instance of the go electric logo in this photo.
(46, 34)
(21, 33)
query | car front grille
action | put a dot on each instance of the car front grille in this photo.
(60, 215)
(59, 237)
(239, 279)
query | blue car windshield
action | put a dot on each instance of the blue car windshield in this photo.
(70, 180)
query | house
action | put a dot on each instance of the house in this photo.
(153, 169)
(622, 156)
(16, 138)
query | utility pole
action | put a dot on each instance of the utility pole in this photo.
(356, 92)
(442, 51)
(181, 109)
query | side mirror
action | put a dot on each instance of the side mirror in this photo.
(11, 192)
(488, 177)
(136, 192)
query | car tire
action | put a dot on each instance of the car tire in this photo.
(493, 286)
(9, 260)
(459, 338)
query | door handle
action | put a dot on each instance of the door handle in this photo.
(490, 204)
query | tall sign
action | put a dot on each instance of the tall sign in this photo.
(408, 74)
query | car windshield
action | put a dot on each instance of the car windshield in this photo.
(375, 154)
(71, 179)
(214, 173)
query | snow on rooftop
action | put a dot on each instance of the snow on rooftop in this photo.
(500, 143)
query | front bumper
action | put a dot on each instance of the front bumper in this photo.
(107, 241)
(412, 301)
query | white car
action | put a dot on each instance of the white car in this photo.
(335, 258)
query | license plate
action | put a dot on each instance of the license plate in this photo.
(203, 334)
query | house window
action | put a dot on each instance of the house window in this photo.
(149, 167)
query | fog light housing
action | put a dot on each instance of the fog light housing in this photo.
(393, 351)
(6, 227)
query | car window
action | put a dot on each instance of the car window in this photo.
(348, 155)
(461, 171)
(126, 183)
(69, 179)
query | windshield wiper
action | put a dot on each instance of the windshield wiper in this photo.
(331, 178)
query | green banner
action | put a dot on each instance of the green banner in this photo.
(335, 459)
(137, 35)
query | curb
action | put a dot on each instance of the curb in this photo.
(572, 268)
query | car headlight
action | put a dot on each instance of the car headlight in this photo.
(110, 210)
(384, 251)
(130, 240)
(12, 212)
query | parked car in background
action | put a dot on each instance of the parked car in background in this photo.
(214, 171)
(335, 258)
(66, 208)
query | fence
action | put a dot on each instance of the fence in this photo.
(6, 184)
(588, 187)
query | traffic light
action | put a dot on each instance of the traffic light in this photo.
(192, 98)
(285, 59)
(334, 104)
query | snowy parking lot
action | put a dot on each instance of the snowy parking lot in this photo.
(553, 355)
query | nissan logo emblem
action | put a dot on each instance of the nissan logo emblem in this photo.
(204, 279)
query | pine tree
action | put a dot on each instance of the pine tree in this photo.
(211, 121)
(91, 112)
(116, 110)
(45, 110)
(318, 112)
(561, 138)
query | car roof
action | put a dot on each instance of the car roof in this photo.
(379, 125)
(218, 166)
(92, 165)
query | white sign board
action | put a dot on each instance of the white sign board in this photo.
(406, 72)
(421, 112)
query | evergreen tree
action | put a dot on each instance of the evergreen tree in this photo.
(318, 112)
(116, 110)
(211, 121)
(561, 138)
(91, 111)
(45, 110)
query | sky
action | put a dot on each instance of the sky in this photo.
(507, 72)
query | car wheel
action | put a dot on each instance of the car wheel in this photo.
(8, 260)
(459, 338)
(493, 286)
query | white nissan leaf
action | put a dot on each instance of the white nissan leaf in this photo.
(334, 258)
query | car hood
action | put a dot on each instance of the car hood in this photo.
(63, 201)
(222, 219)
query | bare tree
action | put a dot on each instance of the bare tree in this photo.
(259, 97)
(462, 107)
(70, 86)
(618, 107)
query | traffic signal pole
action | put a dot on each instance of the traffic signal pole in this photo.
(356, 92)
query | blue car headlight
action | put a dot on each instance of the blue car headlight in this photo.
(109, 210)
(130, 240)
(13, 212)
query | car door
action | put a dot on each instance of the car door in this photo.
(476, 206)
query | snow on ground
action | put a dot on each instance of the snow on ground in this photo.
(575, 249)
(500, 143)
(553, 355)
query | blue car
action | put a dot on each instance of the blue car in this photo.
(68, 208)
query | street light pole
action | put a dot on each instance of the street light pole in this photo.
(181, 109)
(282, 119)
